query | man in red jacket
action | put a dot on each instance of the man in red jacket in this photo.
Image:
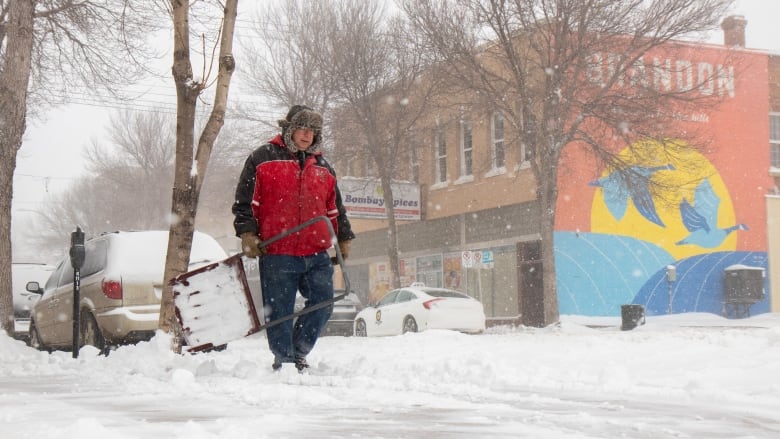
(285, 183)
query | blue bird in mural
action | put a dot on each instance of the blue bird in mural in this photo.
(631, 183)
(702, 220)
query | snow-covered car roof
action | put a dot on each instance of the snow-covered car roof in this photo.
(145, 251)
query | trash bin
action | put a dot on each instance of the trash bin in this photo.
(632, 316)
(743, 284)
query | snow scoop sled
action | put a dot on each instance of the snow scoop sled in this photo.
(214, 304)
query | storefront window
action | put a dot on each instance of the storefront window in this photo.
(495, 284)
(429, 271)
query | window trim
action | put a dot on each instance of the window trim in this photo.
(466, 153)
(774, 162)
(495, 166)
(440, 160)
(414, 159)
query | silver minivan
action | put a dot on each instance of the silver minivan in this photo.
(121, 284)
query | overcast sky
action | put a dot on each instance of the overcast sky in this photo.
(51, 155)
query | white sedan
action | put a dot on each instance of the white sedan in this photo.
(418, 308)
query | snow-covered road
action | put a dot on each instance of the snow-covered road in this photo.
(660, 380)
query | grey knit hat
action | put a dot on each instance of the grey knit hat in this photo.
(301, 116)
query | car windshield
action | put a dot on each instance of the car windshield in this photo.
(389, 298)
(436, 292)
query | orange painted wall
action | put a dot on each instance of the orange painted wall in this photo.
(739, 128)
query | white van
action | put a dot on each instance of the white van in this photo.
(120, 290)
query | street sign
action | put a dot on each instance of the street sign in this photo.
(477, 259)
(487, 259)
(467, 259)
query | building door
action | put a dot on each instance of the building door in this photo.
(530, 285)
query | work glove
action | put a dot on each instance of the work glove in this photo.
(250, 245)
(344, 248)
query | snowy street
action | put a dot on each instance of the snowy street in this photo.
(690, 376)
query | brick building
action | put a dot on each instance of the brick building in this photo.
(478, 226)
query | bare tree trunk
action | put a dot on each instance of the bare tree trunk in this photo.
(548, 196)
(392, 230)
(190, 169)
(13, 108)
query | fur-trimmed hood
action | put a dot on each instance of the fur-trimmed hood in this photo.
(301, 116)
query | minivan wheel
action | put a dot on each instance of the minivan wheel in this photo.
(35, 339)
(90, 333)
(360, 328)
(410, 325)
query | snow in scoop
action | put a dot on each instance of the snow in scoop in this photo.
(214, 306)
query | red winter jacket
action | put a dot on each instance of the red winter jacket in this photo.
(275, 194)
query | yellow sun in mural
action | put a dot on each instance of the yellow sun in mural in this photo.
(672, 197)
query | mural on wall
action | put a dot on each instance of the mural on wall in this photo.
(697, 214)
(665, 210)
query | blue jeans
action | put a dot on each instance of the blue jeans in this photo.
(281, 276)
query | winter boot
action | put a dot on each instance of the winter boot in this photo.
(301, 364)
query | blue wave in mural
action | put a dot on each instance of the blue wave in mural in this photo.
(700, 284)
(596, 273)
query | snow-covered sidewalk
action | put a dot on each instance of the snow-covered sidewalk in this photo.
(691, 376)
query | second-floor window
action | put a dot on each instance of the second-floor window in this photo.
(466, 148)
(774, 140)
(440, 155)
(497, 141)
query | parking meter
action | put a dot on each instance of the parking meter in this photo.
(671, 273)
(77, 251)
(671, 277)
(77, 255)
